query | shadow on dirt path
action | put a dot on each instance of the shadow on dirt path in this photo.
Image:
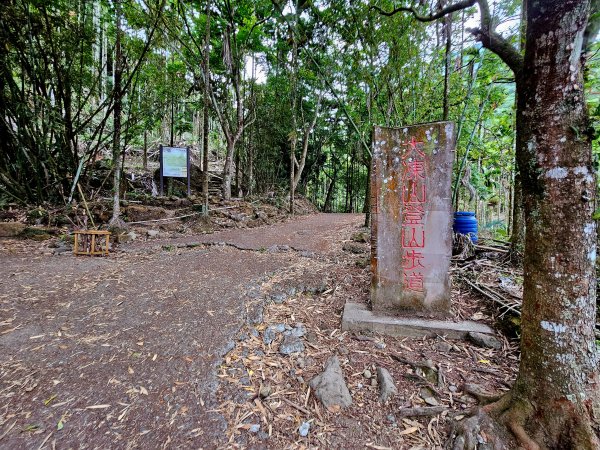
(121, 352)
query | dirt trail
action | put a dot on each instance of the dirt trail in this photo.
(121, 352)
(319, 233)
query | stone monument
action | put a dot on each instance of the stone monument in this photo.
(411, 235)
(411, 217)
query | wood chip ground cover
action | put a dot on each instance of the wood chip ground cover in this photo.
(254, 369)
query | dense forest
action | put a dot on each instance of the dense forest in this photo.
(292, 91)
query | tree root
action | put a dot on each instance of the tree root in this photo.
(511, 420)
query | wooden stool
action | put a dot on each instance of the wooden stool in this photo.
(87, 244)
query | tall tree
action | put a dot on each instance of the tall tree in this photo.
(206, 110)
(555, 401)
(118, 99)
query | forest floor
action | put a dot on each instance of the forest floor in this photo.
(162, 345)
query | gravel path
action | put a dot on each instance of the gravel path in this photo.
(121, 352)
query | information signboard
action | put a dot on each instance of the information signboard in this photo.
(174, 162)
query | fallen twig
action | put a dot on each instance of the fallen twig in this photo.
(490, 249)
(422, 411)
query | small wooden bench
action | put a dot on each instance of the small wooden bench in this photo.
(90, 242)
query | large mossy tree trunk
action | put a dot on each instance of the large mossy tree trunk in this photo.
(555, 400)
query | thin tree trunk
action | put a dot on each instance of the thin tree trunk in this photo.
(293, 137)
(205, 131)
(517, 237)
(447, 62)
(118, 96)
(145, 161)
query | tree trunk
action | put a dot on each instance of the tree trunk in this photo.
(227, 174)
(293, 135)
(367, 203)
(327, 206)
(118, 97)
(555, 401)
(205, 131)
(557, 389)
(447, 28)
(517, 237)
(145, 160)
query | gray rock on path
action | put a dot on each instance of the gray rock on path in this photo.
(329, 386)
(485, 340)
(387, 388)
(271, 332)
(304, 429)
(291, 344)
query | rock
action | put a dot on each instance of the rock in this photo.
(361, 236)
(278, 297)
(271, 332)
(152, 233)
(380, 345)
(299, 330)
(254, 315)
(11, 229)
(485, 340)
(291, 344)
(387, 388)
(291, 291)
(452, 388)
(355, 248)
(443, 346)
(312, 337)
(61, 249)
(132, 235)
(269, 335)
(429, 372)
(367, 373)
(373, 382)
(304, 429)
(254, 428)
(265, 391)
(427, 395)
(391, 418)
(329, 386)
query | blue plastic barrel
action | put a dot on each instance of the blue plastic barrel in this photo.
(465, 222)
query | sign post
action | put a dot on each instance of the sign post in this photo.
(174, 162)
(411, 214)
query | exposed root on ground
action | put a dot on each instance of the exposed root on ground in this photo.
(511, 420)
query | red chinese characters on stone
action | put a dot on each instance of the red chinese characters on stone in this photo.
(414, 196)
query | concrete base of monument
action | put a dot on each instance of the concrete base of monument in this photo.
(358, 317)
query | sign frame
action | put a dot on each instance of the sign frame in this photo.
(162, 167)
